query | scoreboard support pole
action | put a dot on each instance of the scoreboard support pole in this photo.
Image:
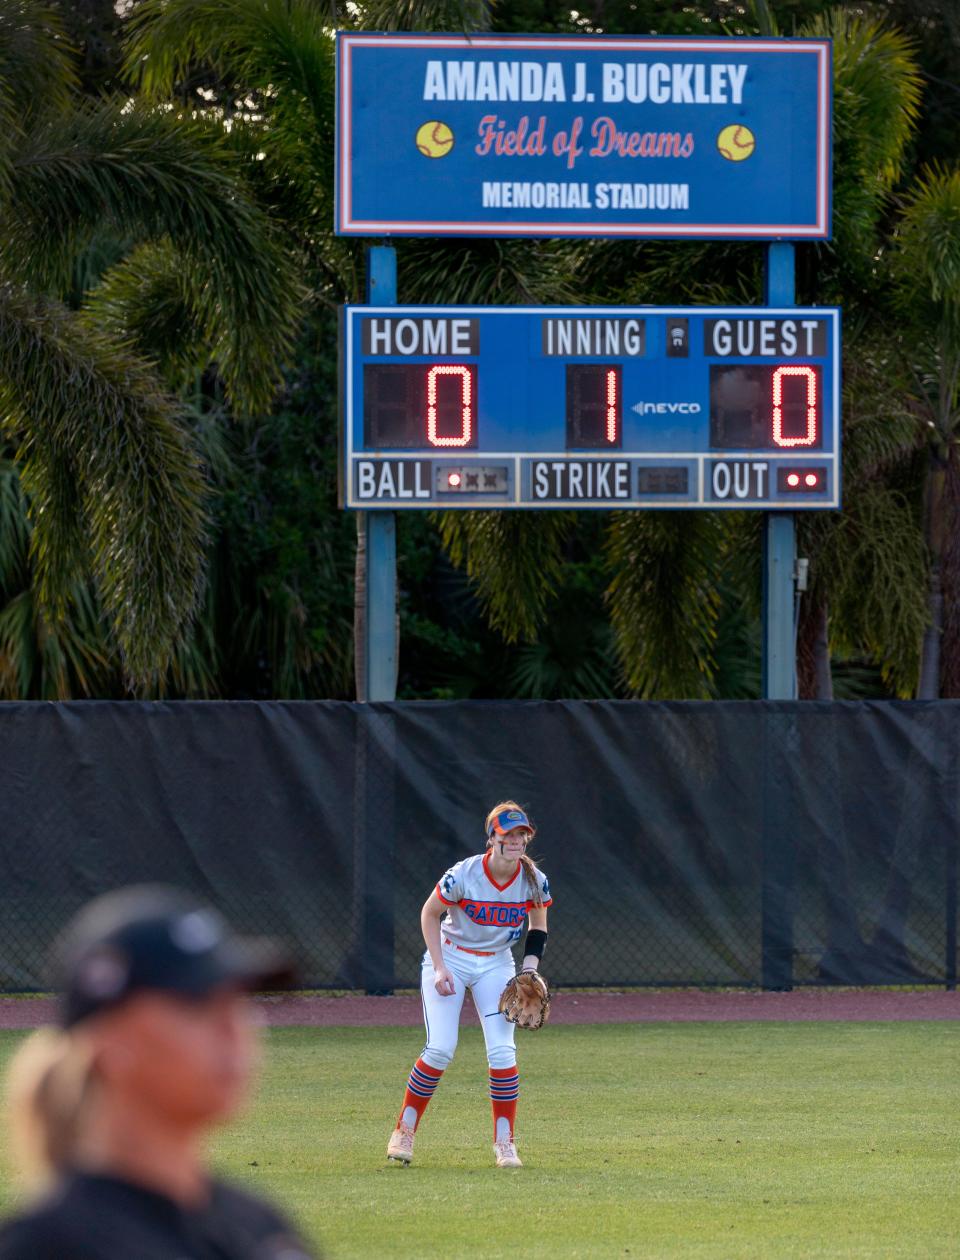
(779, 662)
(380, 529)
(779, 672)
(373, 947)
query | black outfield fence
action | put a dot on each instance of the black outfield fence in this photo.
(703, 844)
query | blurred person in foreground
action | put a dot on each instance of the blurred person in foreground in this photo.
(108, 1112)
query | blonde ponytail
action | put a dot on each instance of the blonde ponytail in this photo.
(529, 870)
(49, 1083)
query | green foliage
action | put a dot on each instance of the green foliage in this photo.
(875, 566)
(282, 606)
(153, 173)
(425, 15)
(573, 656)
(927, 271)
(108, 477)
(272, 68)
(877, 88)
(486, 271)
(37, 73)
(868, 564)
(928, 252)
(282, 49)
(113, 485)
(934, 28)
(276, 619)
(156, 220)
(148, 298)
(664, 600)
(515, 561)
(651, 17)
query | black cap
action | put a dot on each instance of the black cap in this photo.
(152, 936)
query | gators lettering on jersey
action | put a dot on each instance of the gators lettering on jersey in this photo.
(482, 914)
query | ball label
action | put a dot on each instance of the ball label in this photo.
(434, 139)
(736, 142)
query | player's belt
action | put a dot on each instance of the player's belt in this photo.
(481, 953)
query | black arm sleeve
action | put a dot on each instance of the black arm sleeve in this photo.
(536, 943)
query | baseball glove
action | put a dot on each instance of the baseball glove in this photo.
(526, 1000)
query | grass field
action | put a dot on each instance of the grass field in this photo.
(709, 1141)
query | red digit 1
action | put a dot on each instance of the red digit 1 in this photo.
(612, 407)
(810, 437)
(466, 405)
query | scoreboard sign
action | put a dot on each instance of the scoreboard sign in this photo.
(590, 407)
(493, 135)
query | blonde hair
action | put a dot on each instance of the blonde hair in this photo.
(50, 1081)
(529, 870)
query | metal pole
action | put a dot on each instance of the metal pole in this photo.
(779, 659)
(380, 528)
(372, 958)
(779, 673)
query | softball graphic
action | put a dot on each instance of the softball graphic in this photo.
(435, 139)
(736, 142)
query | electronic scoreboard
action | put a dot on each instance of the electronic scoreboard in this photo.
(590, 407)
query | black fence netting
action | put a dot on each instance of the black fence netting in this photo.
(717, 843)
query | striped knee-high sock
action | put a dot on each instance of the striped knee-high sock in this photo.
(504, 1092)
(421, 1083)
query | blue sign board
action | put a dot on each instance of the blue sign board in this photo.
(445, 135)
(590, 407)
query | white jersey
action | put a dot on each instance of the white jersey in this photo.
(483, 915)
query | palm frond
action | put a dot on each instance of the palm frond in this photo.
(664, 600)
(514, 560)
(545, 670)
(276, 56)
(872, 566)
(425, 15)
(169, 177)
(877, 88)
(928, 248)
(113, 484)
(63, 660)
(573, 657)
(766, 22)
(665, 272)
(282, 47)
(37, 73)
(150, 300)
(881, 426)
(14, 527)
(485, 271)
(273, 68)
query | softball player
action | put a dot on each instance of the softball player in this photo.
(155, 1046)
(470, 921)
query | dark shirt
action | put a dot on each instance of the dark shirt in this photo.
(103, 1218)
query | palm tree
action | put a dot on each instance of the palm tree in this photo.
(666, 570)
(269, 66)
(107, 472)
(866, 564)
(928, 270)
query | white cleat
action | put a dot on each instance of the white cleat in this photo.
(506, 1154)
(400, 1146)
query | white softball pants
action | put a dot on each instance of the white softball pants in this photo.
(485, 978)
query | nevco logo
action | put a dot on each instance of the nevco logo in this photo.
(666, 409)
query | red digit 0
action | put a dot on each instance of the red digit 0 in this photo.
(810, 437)
(466, 405)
